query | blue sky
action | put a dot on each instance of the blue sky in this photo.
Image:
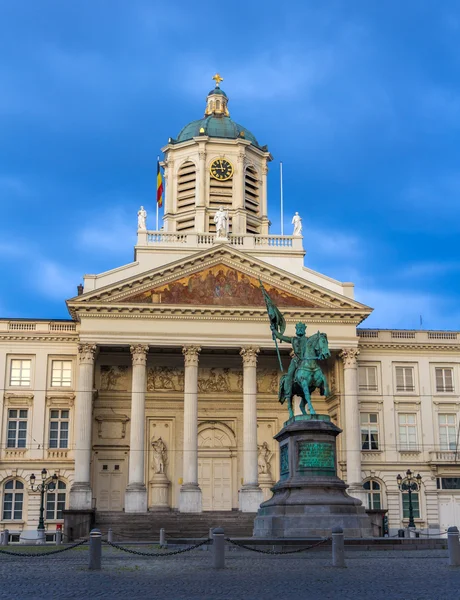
(359, 99)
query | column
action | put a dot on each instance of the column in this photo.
(352, 423)
(136, 492)
(190, 493)
(250, 494)
(80, 492)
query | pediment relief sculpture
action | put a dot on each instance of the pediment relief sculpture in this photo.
(114, 378)
(219, 285)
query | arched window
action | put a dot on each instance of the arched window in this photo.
(415, 497)
(374, 494)
(56, 501)
(13, 500)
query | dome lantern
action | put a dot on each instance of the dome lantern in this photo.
(216, 102)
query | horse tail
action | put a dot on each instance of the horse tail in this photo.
(281, 396)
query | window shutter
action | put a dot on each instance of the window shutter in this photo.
(409, 378)
(439, 380)
(362, 378)
(449, 380)
(399, 379)
(372, 377)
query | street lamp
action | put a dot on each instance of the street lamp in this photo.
(410, 486)
(42, 487)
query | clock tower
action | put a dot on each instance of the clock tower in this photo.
(215, 162)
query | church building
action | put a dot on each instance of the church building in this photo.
(160, 392)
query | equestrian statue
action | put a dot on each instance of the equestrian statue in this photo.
(304, 375)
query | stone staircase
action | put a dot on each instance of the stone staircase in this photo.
(146, 526)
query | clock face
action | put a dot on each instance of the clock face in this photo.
(221, 169)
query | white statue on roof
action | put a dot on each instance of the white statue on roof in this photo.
(297, 222)
(221, 221)
(142, 219)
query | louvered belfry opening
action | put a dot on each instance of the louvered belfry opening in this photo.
(252, 199)
(186, 188)
(220, 194)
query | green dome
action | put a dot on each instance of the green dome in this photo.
(218, 91)
(216, 126)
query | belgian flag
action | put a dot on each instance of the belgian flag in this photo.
(159, 185)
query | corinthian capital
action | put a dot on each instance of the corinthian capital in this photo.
(249, 355)
(191, 355)
(86, 353)
(139, 354)
(349, 357)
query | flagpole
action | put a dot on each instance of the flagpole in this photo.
(281, 198)
(158, 161)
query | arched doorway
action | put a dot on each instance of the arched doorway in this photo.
(216, 466)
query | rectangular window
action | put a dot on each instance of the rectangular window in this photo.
(448, 483)
(369, 431)
(59, 429)
(444, 379)
(405, 379)
(407, 431)
(367, 379)
(61, 373)
(20, 371)
(415, 505)
(17, 428)
(447, 432)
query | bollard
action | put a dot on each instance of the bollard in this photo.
(210, 533)
(162, 538)
(338, 548)
(110, 535)
(218, 548)
(6, 537)
(95, 550)
(58, 537)
(453, 545)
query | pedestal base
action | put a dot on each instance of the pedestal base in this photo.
(159, 492)
(136, 498)
(190, 500)
(250, 498)
(266, 483)
(77, 523)
(81, 496)
(309, 499)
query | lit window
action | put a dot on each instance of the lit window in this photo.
(55, 502)
(367, 379)
(13, 499)
(444, 379)
(447, 432)
(374, 495)
(59, 429)
(407, 431)
(405, 379)
(20, 371)
(17, 428)
(61, 373)
(369, 431)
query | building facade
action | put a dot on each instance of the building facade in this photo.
(161, 390)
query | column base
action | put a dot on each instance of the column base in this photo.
(250, 498)
(190, 499)
(81, 496)
(356, 490)
(136, 498)
(266, 483)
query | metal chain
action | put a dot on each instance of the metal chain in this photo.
(34, 554)
(139, 553)
(240, 545)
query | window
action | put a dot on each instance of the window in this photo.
(59, 429)
(374, 495)
(369, 431)
(405, 379)
(415, 504)
(20, 371)
(13, 498)
(448, 483)
(55, 502)
(407, 431)
(447, 432)
(444, 379)
(61, 373)
(367, 379)
(17, 428)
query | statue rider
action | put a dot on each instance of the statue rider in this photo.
(299, 345)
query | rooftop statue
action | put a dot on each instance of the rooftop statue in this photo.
(221, 221)
(142, 219)
(304, 375)
(297, 222)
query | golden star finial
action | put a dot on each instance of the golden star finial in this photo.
(217, 78)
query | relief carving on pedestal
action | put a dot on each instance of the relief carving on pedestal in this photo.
(165, 378)
(114, 377)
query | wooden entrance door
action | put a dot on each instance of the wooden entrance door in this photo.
(111, 484)
(215, 480)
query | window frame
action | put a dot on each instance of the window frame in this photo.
(16, 419)
(406, 392)
(9, 367)
(59, 420)
(401, 446)
(14, 492)
(371, 365)
(371, 492)
(453, 369)
(415, 509)
(447, 425)
(61, 358)
(367, 427)
(55, 502)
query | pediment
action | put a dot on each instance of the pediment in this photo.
(218, 278)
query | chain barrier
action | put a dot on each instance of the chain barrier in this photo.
(34, 554)
(304, 549)
(139, 553)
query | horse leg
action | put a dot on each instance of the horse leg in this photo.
(291, 412)
(306, 393)
(302, 406)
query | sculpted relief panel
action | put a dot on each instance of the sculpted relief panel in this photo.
(267, 381)
(165, 378)
(219, 285)
(114, 378)
(216, 379)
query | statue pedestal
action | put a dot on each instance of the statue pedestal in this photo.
(265, 484)
(309, 499)
(159, 492)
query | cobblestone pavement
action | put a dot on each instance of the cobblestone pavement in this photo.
(377, 575)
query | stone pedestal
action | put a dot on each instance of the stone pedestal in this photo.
(310, 500)
(265, 484)
(159, 492)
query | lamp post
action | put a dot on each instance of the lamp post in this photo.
(409, 486)
(42, 487)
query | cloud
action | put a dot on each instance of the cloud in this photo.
(428, 269)
(112, 231)
(55, 281)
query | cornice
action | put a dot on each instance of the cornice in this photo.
(28, 337)
(407, 346)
